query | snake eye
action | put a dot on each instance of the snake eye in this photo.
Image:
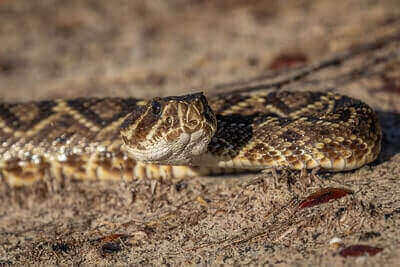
(169, 120)
(156, 107)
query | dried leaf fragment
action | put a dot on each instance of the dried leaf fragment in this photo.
(359, 250)
(324, 195)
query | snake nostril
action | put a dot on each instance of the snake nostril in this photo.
(193, 122)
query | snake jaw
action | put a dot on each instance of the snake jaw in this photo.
(161, 151)
(170, 130)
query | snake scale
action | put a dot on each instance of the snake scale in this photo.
(184, 136)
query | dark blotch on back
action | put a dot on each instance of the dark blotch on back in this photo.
(297, 100)
(228, 102)
(345, 101)
(235, 130)
(290, 136)
(44, 110)
(85, 108)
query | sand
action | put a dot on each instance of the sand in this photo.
(55, 48)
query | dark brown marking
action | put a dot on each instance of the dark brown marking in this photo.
(9, 113)
(290, 136)
(103, 111)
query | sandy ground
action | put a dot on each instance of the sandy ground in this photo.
(55, 48)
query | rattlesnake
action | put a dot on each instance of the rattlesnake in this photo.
(184, 136)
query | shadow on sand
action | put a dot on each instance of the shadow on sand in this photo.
(390, 122)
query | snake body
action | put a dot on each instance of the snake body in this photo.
(184, 136)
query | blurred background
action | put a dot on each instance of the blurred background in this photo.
(58, 48)
(143, 48)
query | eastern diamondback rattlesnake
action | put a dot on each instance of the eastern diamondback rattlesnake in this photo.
(184, 136)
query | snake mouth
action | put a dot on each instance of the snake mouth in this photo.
(179, 152)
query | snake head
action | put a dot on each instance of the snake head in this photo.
(171, 130)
